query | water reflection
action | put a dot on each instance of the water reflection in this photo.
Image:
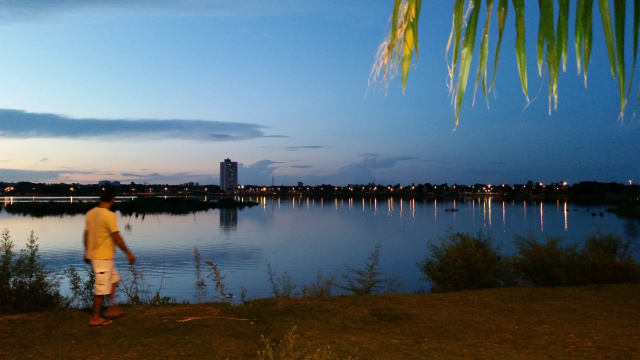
(301, 235)
(228, 219)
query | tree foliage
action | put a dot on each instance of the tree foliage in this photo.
(552, 43)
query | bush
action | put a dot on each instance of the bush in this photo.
(24, 283)
(321, 287)
(546, 264)
(81, 288)
(463, 262)
(606, 259)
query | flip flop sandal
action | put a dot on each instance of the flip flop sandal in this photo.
(105, 322)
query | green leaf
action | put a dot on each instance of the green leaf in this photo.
(466, 56)
(587, 36)
(503, 7)
(456, 35)
(547, 33)
(562, 37)
(407, 51)
(608, 34)
(636, 25)
(394, 28)
(620, 17)
(579, 33)
(484, 53)
(410, 43)
(521, 53)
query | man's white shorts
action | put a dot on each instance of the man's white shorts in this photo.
(106, 275)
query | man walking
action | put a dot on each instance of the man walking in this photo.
(101, 235)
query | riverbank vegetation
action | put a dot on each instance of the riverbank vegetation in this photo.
(527, 307)
(458, 262)
(138, 206)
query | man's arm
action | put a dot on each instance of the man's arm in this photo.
(120, 242)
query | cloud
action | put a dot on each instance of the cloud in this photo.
(14, 175)
(301, 166)
(356, 173)
(259, 173)
(21, 124)
(296, 148)
(33, 10)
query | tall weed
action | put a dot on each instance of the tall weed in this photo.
(287, 349)
(218, 278)
(200, 286)
(283, 285)
(369, 280)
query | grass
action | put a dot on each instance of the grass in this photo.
(595, 322)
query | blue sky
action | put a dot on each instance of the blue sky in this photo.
(162, 91)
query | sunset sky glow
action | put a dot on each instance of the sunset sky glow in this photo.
(162, 91)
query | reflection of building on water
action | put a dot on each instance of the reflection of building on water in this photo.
(229, 218)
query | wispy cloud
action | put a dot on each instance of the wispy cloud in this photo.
(30, 10)
(296, 148)
(14, 175)
(21, 124)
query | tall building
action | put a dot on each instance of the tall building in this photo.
(228, 175)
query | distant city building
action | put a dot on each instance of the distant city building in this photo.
(228, 175)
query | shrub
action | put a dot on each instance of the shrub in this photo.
(24, 283)
(321, 287)
(463, 262)
(606, 259)
(545, 264)
(134, 285)
(81, 289)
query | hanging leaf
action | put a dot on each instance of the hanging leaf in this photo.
(608, 34)
(562, 37)
(410, 44)
(407, 51)
(521, 53)
(466, 56)
(456, 36)
(503, 7)
(579, 33)
(484, 52)
(587, 36)
(546, 36)
(636, 25)
(619, 11)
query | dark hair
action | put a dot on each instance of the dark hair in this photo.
(107, 194)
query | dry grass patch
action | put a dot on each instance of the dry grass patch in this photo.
(517, 323)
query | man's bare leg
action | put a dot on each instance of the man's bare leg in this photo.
(113, 310)
(95, 316)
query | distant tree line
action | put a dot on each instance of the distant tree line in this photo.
(583, 190)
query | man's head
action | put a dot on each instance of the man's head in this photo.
(107, 194)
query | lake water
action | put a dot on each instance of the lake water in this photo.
(303, 236)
